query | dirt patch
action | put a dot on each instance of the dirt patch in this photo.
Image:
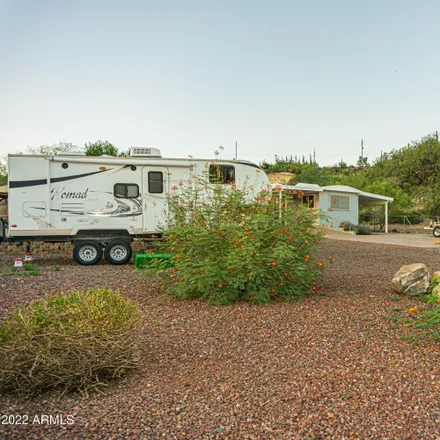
(330, 367)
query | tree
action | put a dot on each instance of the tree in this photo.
(3, 173)
(312, 173)
(362, 162)
(54, 149)
(417, 164)
(101, 148)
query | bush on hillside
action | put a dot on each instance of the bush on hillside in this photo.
(229, 245)
(75, 341)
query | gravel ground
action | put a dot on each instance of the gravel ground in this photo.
(335, 366)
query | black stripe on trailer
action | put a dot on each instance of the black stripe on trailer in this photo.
(36, 182)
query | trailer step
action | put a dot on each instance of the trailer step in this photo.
(150, 260)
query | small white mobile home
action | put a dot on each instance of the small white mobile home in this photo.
(104, 202)
(339, 203)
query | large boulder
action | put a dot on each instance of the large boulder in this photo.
(412, 279)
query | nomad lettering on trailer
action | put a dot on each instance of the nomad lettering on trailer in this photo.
(62, 194)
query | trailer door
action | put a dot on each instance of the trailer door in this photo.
(155, 188)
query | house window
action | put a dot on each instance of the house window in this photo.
(339, 202)
(309, 200)
(126, 190)
(221, 174)
(155, 182)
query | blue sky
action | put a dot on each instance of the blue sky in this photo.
(280, 77)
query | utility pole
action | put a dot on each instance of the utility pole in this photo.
(314, 156)
(362, 148)
(236, 155)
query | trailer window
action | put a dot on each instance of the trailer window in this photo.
(126, 190)
(339, 202)
(309, 201)
(155, 182)
(221, 173)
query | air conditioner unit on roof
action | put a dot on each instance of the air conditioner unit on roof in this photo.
(144, 152)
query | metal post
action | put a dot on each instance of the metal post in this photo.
(386, 217)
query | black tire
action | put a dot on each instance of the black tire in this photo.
(87, 253)
(436, 231)
(118, 252)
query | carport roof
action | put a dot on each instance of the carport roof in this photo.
(310, 187)
(365, 198)
(370, 199)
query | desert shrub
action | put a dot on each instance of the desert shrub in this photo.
(31, 269)
(435, 281)
(76, 341)
(229, 245)
(348, 226)
(429, 320)
(363, 230)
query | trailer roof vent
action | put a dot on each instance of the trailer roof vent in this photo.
(144, 152)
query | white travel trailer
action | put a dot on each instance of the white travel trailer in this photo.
(102, 203)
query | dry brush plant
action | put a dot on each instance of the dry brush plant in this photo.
(229, 245)
(74, 341)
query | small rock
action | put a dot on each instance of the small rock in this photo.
(411, 280)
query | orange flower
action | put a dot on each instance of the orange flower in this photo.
(306, 258)
(227, 201)
(246, 233)
(280, 284)
(174, 188)
(283, 231)
(274, 264)
(413, 310)
(173, 275)
(314, 288)
(291, 239)
(286, 276)
(249, 277)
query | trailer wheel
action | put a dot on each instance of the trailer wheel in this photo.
(87, 253)
(118, 252)
(436, 231)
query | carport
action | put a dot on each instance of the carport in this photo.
(366, 199)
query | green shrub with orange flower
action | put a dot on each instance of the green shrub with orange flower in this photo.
(429, 319)
(229, 246)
